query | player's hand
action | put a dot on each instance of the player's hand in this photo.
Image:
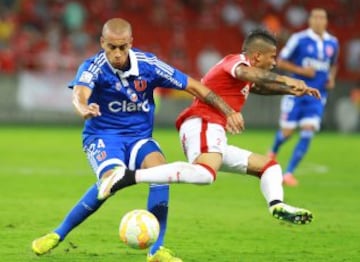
(307, 91)
(297, 87)
(91, 110)
(308, 72)
(313, 92)
(235, 123)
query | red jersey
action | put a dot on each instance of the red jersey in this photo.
(222, 81)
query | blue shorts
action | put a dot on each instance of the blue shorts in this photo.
(300, 111)
(106, 152)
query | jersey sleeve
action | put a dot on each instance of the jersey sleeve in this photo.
(288, 51)
(168, 76)
(85, 76)
(230, 63)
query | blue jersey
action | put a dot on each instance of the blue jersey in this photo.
(125, 97)
(307, 49)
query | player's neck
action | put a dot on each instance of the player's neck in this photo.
(319, 33)
(126, 66)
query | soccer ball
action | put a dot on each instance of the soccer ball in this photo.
(139, 229)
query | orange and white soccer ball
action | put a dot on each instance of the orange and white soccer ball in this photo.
(139, 229)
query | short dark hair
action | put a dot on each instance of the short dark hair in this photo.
(251, 40)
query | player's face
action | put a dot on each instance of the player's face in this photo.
(267, 59)
(318, 21)
(117, 48)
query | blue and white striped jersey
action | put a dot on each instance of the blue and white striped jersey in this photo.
(125, 97)
(307, 49)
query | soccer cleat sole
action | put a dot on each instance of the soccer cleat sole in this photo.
(300, 217)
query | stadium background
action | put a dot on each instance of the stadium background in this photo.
(43, 42)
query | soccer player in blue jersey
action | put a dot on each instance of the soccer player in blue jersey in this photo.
(113, 92)
(310, 55)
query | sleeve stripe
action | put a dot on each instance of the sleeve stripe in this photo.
(289, 48)
(156, 62)
(98, 63)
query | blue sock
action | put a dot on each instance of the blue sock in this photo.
(279, 140)
(158, 205)
(300, 150)
(87, 205)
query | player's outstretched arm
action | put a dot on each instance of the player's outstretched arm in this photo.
(270, 83)
(299, 88)
(262, 77)
(80, 99)
(284, 89)
(235, 121)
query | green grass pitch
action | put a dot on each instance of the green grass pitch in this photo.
(44, 172)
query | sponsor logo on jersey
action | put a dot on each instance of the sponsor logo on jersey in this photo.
(126, 106)
(245, 91)
(316, 64)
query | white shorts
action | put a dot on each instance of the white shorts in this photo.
(198, 136)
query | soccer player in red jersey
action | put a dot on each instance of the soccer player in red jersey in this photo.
(202, 130)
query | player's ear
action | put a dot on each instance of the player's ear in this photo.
(257, 55)
(102, 42)
(131, 42)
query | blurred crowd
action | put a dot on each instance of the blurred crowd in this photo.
(53, 35)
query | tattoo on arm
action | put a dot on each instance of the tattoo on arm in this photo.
(264, 77)
(266, 82)
(257, 75)
(216, 101)
(271, 89)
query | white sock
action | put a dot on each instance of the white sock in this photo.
(271, 184)
(177, 172)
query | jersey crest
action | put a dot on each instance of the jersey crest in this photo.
(140, 85)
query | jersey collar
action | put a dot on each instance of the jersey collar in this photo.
(315, 36)
(134, 69)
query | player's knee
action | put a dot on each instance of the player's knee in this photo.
(209, 173)
(269, 164)
(200, 174)
(287, 133)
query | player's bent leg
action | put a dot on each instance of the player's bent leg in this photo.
(294, 215)
(163, 255)
(271, 181)
(45, 243)
(271, 187)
